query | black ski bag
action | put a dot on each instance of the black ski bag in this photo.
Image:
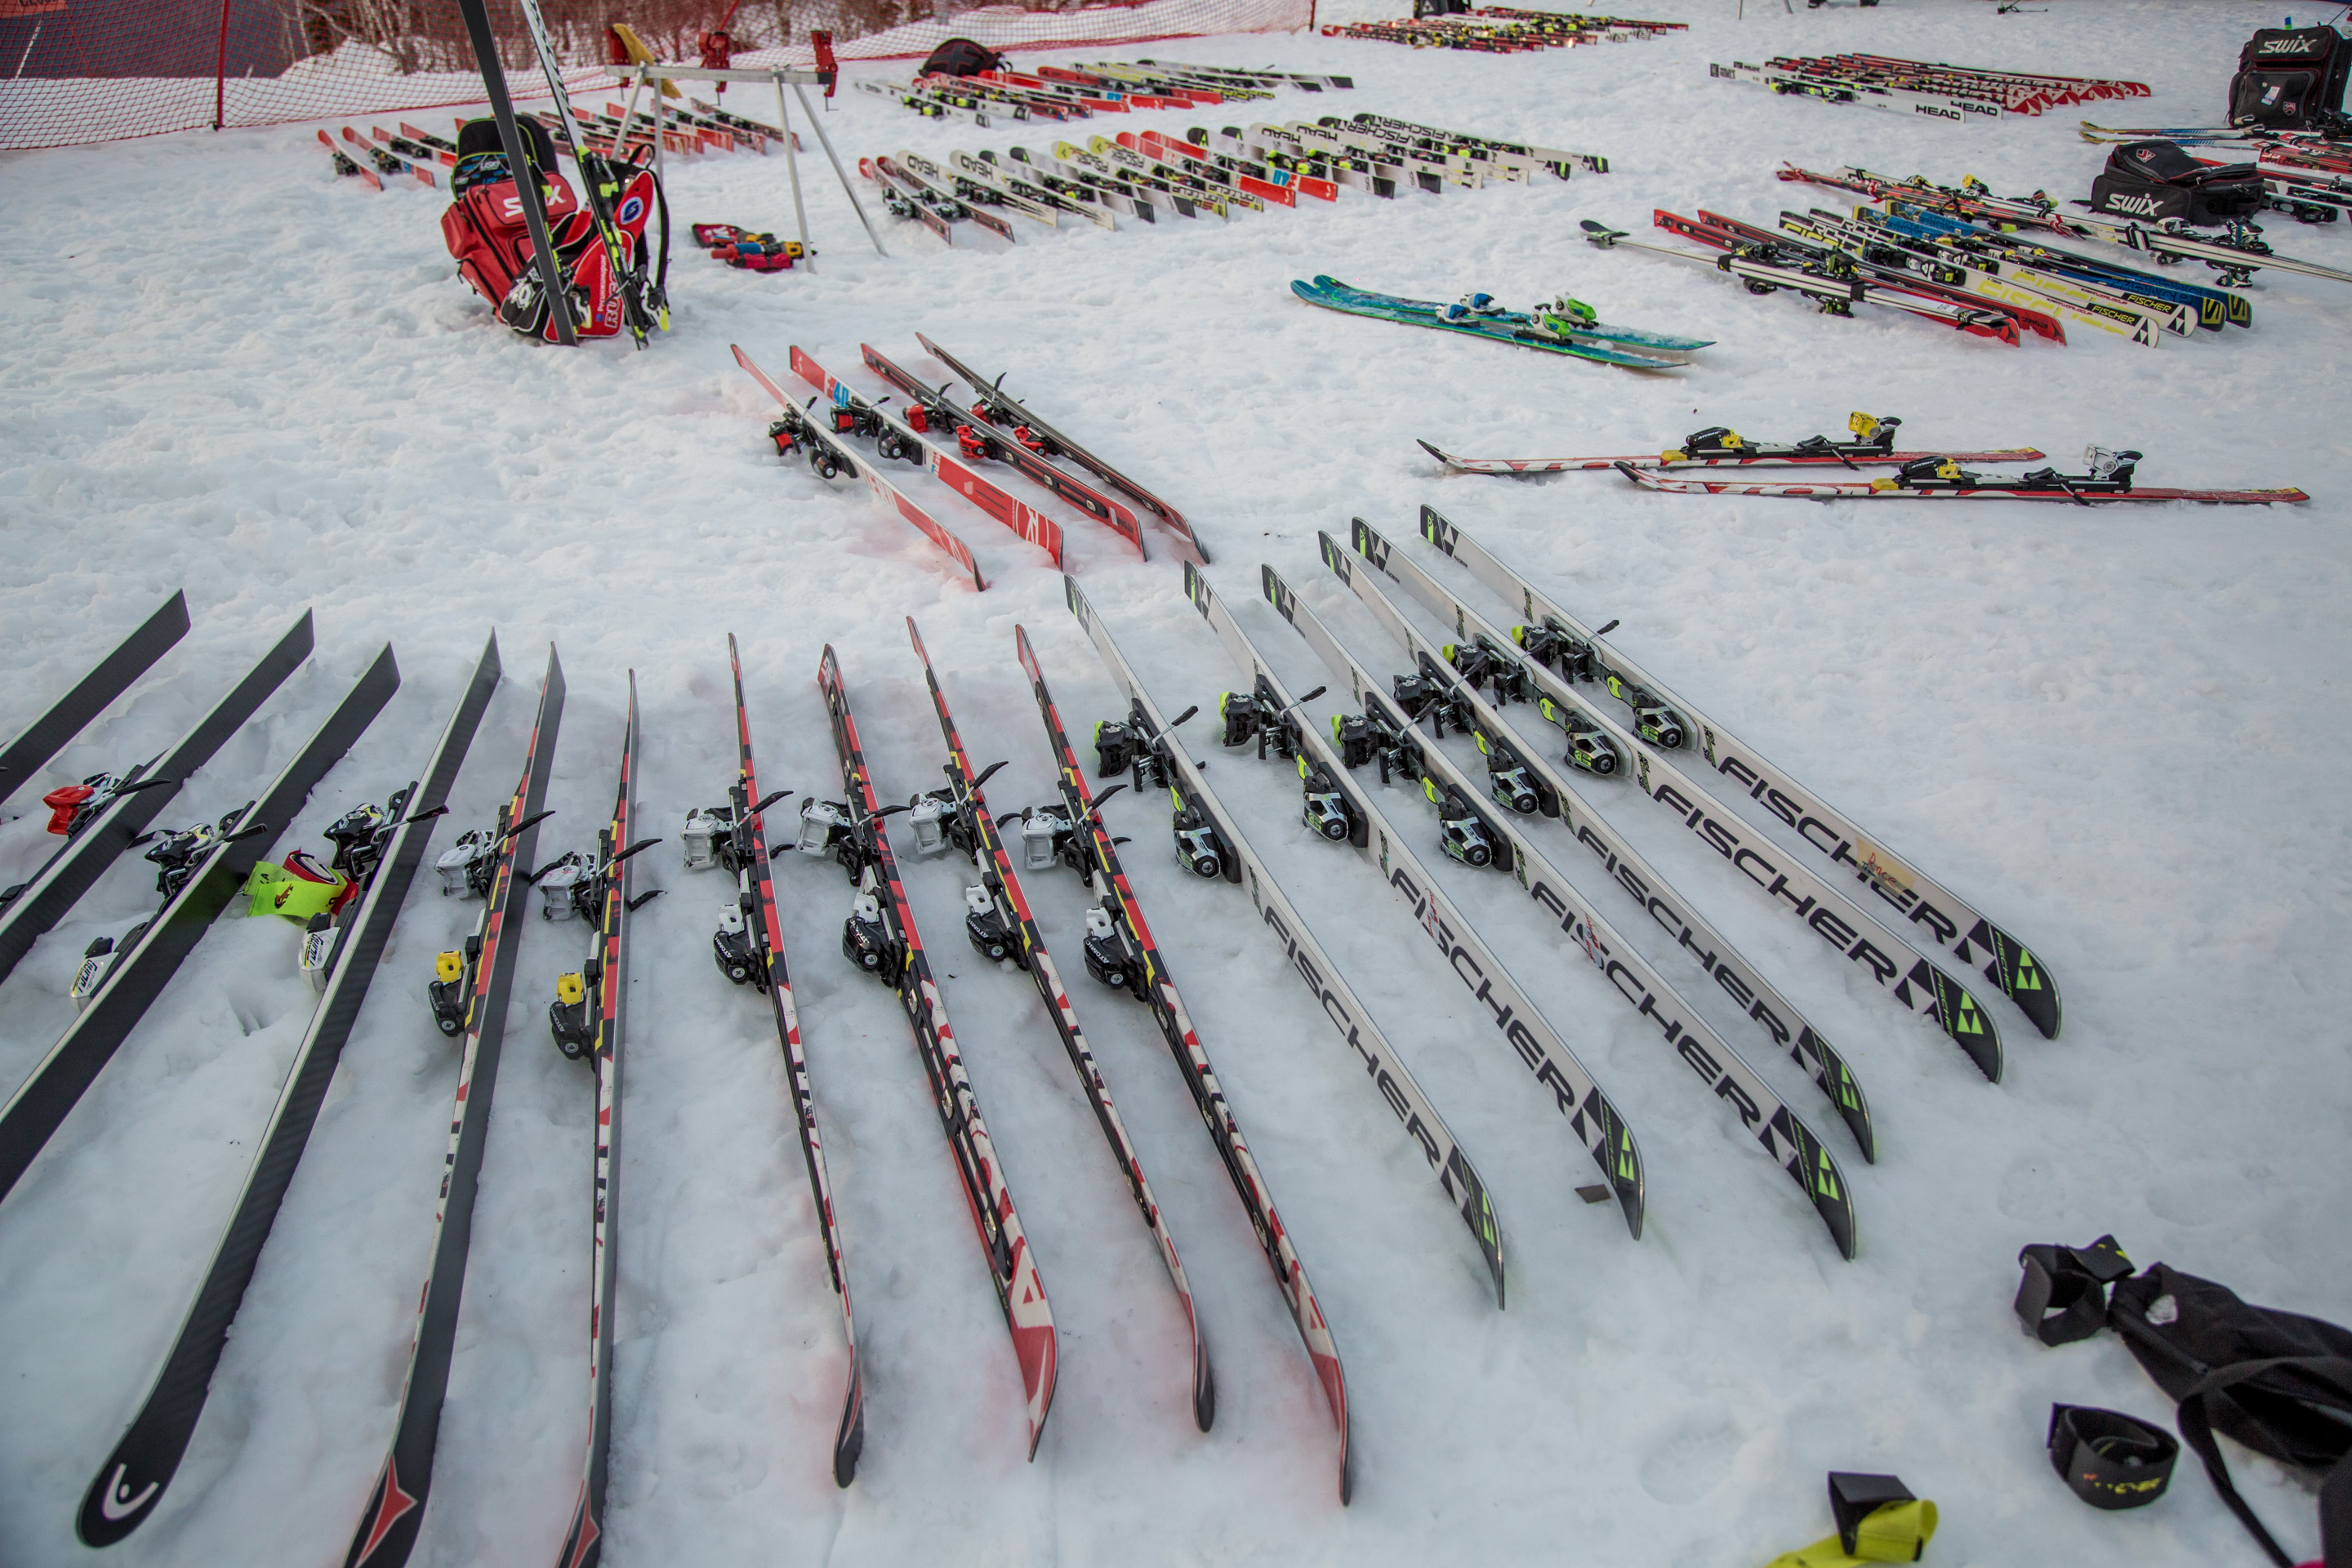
(961, 56)
(2157, 182)
(2290, 78)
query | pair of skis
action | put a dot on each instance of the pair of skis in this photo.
(1625, 346)
(1718, 447)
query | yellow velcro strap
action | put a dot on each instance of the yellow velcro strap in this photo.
(1892, 1532)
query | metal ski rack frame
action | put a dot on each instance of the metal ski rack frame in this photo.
(637, 76)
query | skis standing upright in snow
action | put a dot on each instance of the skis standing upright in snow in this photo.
(1000, 926)
(750, 951)
(468, 998)
(129, 1485)
(588, 1019)
(881, 939)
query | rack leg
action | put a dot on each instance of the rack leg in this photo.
(793, 169)
(817, 125)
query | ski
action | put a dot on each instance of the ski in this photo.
(750, 951)
(1207, 845)
(880, 938)
(105, 814)
(929, 408)
(893, 439)
(588, 1019)
(944, 192)
(999, 408)
(1000, 927)
(795, 431)
(131, 1481)
(202, 873)
(975, 191)
(1265, 715)
(1122, 953)
(1922, 907)
(1386, 732)
(467, 998)
(528, 196)
(1349, 303)
(1942, 479)
(346, 165)
(1567, 318)
(1522, 780)
(1018, 186)
(1718, 447)
(905, 201)
(42, 739)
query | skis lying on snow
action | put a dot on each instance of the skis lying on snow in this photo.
(1122, 953)
(129, 1485)
(881, 939)
(1554, 654)
(750, 951)
(1942, 479)
(587, 1019)
(109, 818)
(1718, 446)
(795, 430)
(467, 997)
(1000, 926)
(346, 165)
(1265, 714)
(1333, 295)
(42, 739)
(1207, 844)
(995, 406)
(1386, 733)
(893, 437)
(197, 885)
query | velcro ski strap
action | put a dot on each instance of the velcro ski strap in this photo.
(2064, 1295)
(2111, 1460)
(2335, 1491)
(1892, 1532)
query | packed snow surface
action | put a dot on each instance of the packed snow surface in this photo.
(2121, 732)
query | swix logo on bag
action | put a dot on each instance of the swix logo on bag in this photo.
(2289, 46)
(2144, 205)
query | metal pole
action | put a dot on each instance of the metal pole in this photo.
(661, 171)
(826, 142)
(793, 169)
(220, 71)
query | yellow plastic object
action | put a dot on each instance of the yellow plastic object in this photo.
(449, 968)
(1892, 1532)
(570, 989)
(639, 54)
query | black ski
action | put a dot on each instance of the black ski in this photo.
(105, 824)
(1004, 928)
(129, 1485)
(23, 757)
(214, 878)
(468, 996)
(519, 164)
(588, 1018)
(750, 951)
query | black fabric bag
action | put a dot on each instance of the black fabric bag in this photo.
(961, 56)
(2157, 181)
(2290, 78)
(2280, 1382)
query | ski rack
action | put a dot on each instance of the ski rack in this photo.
(130, 1483)
(638, 75)
(1393, 1081)
(42, 739)
(1917, 902)
(1027, 953)
(1595, 1121)
(1787, 1028)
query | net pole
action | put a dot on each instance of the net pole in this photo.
(220, 71)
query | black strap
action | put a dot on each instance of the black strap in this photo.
(2335, 1491)
(2111, 1459)
(2069, 1281)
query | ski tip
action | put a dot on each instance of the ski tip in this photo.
(849, 1442)
(1204, 1381)
(1435, 453)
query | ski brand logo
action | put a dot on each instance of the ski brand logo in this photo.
(2287, 46)
(2144, 205)
(115, 1505)
(1938, 111)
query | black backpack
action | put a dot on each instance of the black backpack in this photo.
(2157, 181)
(961, 56)
(2290, 78)
(2277, 1382)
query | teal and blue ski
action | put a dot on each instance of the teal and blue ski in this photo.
(1377, 307)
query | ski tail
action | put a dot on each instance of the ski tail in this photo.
(92, 694)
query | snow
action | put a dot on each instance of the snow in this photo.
(2120, 733)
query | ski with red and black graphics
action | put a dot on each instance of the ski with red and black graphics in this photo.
(1684, 460)
(468, 998)
(880, 938)
(796, 430)
(1920, 297)
(937, 412)
(386, 161)
(750, 950)
(2074, 490)
(1147, 731)
(1000, 926)
(1121, 954)
(901, 203)
(894, 438)
(588, 1019)
(998, 407)
(346, 165)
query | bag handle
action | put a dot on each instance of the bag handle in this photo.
(2335, 1491)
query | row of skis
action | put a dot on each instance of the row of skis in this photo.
(1877, 914)
(1082, 91)
(1146, 176)
(412, 152)
(1928, 88)
(1499, 29)
(996, 428)
(1868, 444)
